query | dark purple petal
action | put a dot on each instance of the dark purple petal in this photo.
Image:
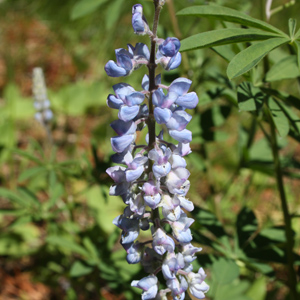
(123, 128)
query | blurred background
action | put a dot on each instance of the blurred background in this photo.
(57, 240)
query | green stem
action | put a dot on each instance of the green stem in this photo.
(284, 206)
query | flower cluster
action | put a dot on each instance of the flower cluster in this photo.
(41, 101)
(152, 179)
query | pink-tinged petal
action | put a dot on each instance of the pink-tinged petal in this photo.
(179, 120)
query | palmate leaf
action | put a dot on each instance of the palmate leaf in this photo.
(228, 14)
(250, 98)
(251, 56)
(223, 37)
(297, 46)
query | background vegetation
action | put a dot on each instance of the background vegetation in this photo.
(57, 240)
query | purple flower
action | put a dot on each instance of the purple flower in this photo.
(135, 166)
(161, 166)
(168, 63)
(122, 67)
(130, 228)
(196, 283)
(127, 61)
(139, 23)
(134, 252)
(172, 263)
(152, 196)
(127, 100)
(149, 285)
(177, 288)
(170, 208)
(177, 182)
(169, 47)
(181, 231)
(162, 243)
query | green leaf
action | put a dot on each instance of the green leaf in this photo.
(28, 156)
(66, 244)
(26, 174)
(250, 57)
(223, 37)
(285, 97)
(14, 197)
(250, 98)
(225, 270)
(284, 69)
(297, 46)
(225, 52)
(115, 10)
(246, 225)
(56, 192)
(274, 233)
(84, 7)
(208, 220)
(258, 290)
(79, 269)
(280, 120)
(228, 14)
(292, 27)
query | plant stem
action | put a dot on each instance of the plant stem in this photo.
(287, 217)
(152, 87)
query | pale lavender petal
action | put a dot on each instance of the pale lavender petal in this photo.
(120, 143)
(189, 100)
(180, 86)
(184, 136)
(127, 113)
(162, 115)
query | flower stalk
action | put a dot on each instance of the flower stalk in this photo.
(154, 177)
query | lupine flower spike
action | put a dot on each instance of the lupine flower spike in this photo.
(41, 102)
(153, 179)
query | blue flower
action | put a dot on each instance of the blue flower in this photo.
(149, 285)
(169, 47)
(139, 23)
